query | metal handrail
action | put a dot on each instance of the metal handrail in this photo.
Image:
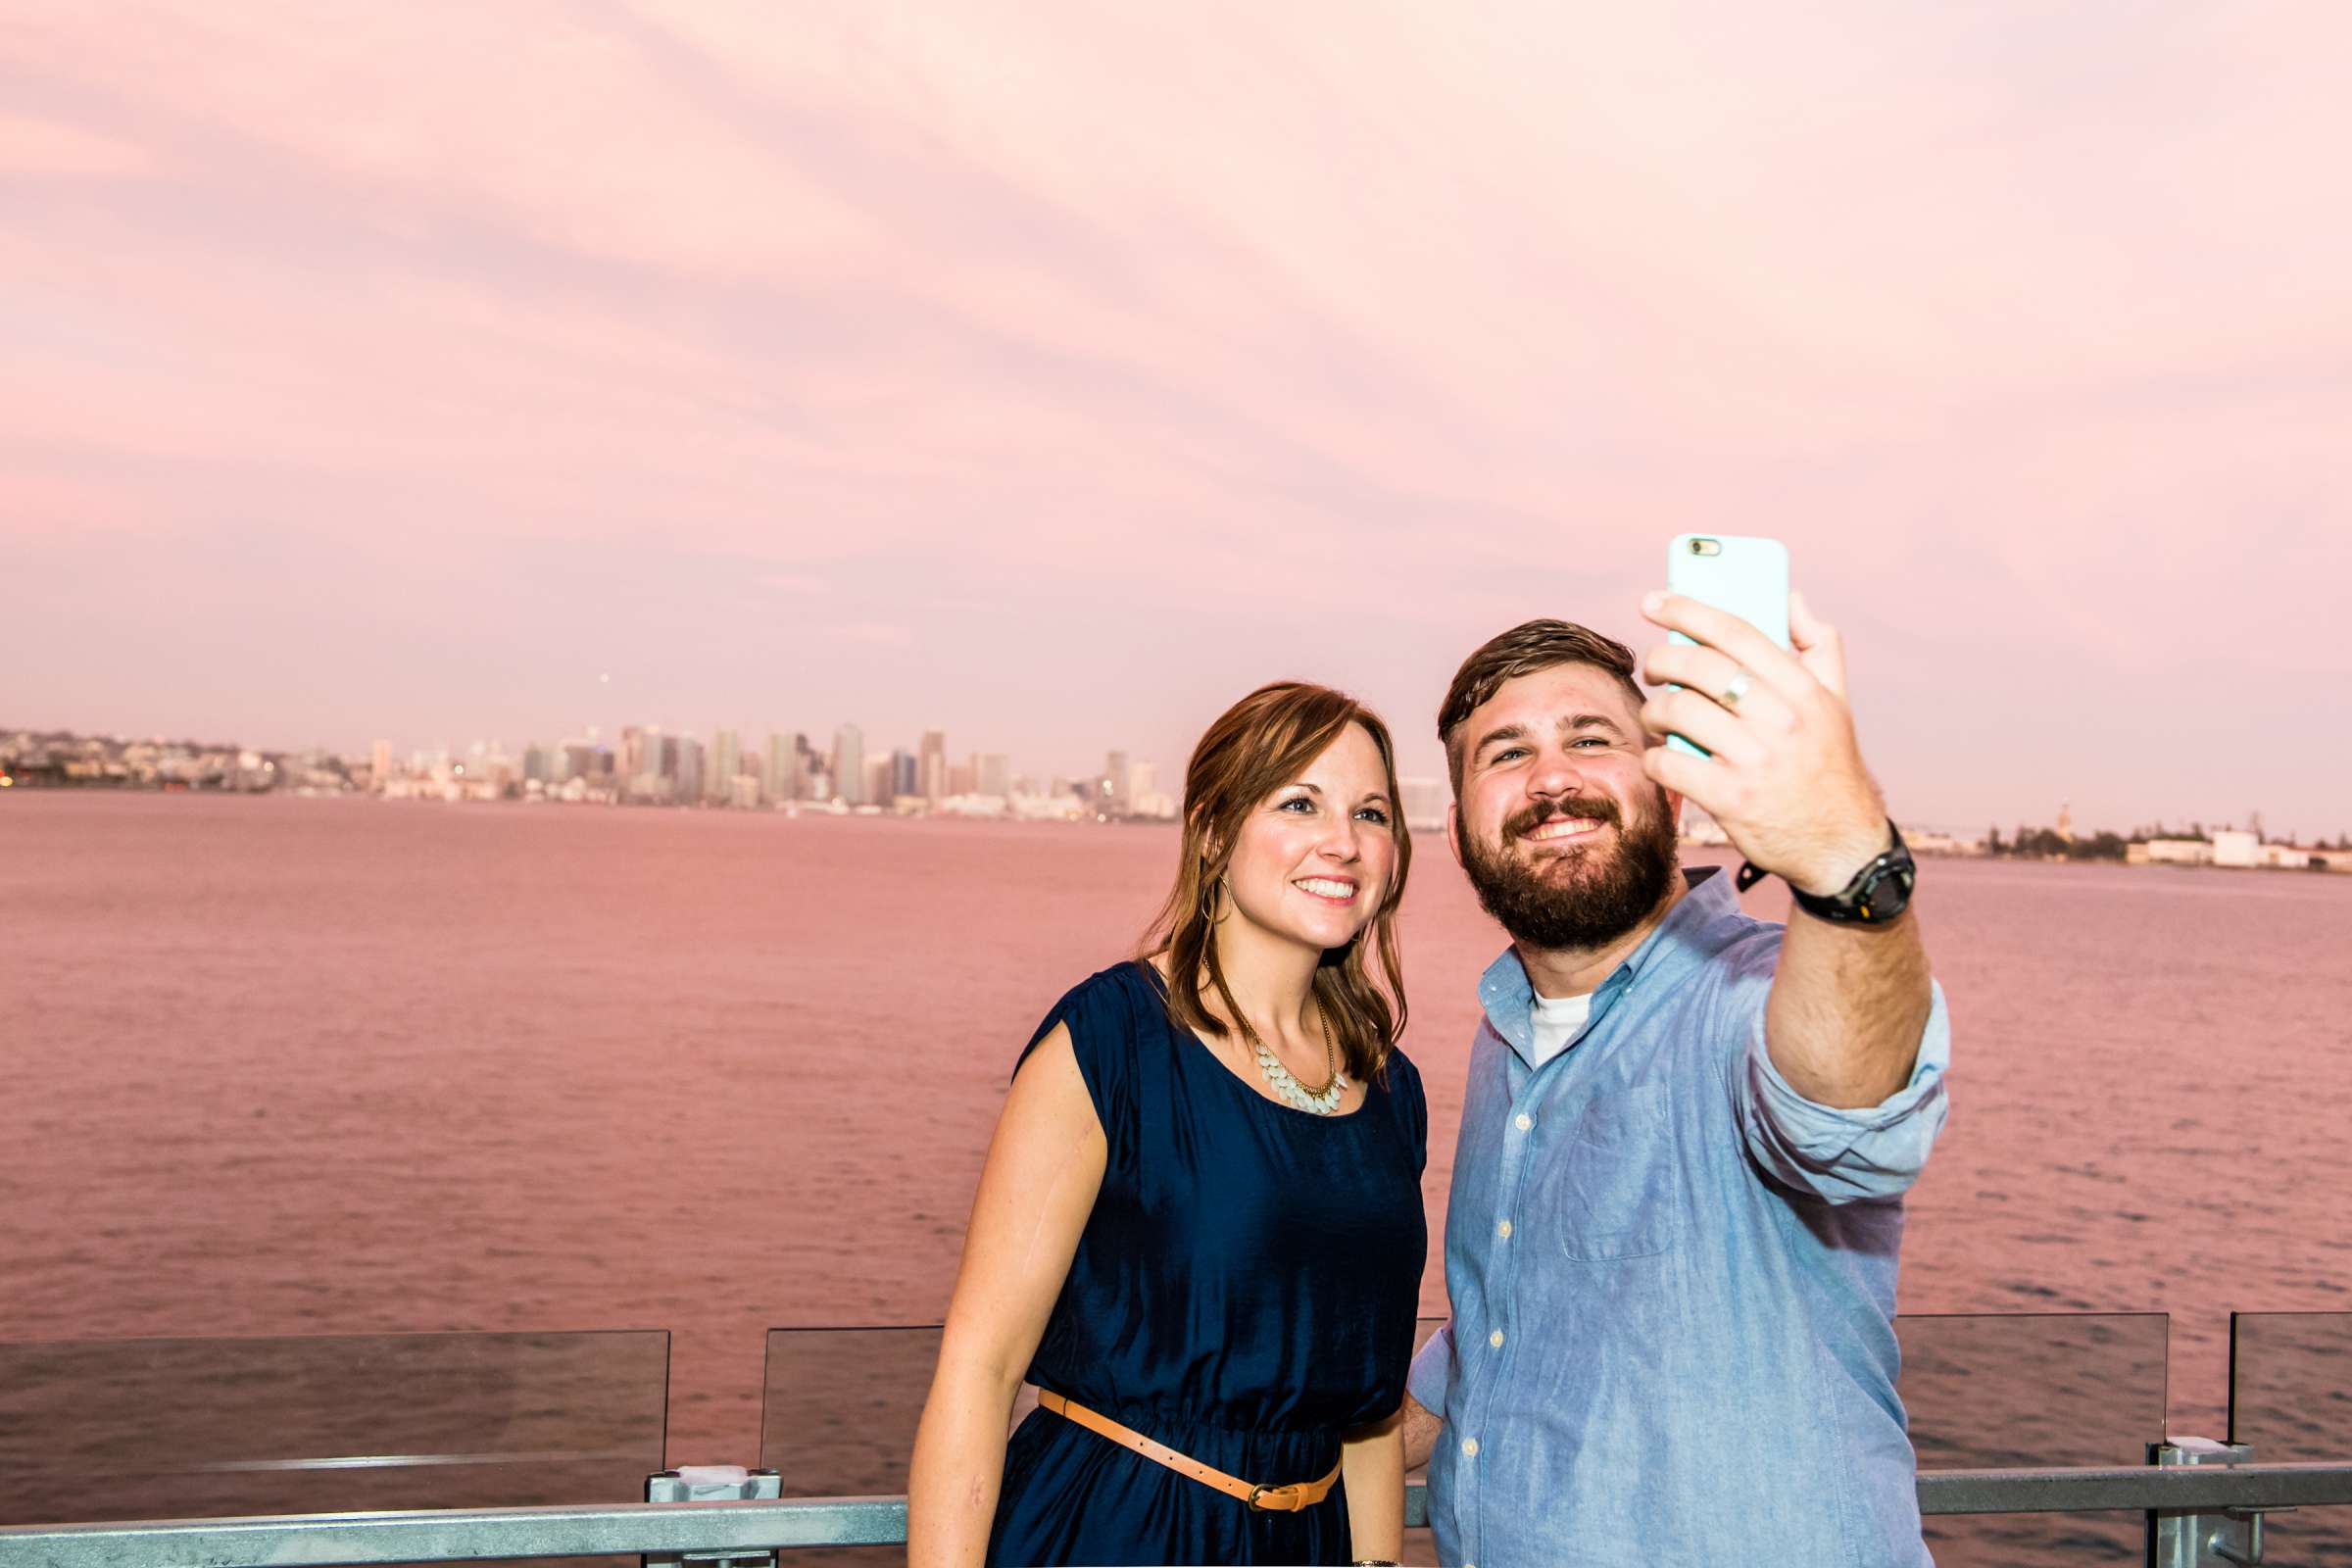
(463, 1535)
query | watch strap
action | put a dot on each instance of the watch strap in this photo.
(1850, 904)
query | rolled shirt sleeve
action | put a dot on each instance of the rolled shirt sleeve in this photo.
(1432, 1372)
(1843, 1155)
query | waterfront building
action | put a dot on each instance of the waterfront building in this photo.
(1424, 805)
(905, 773)
(726, 761)
(2236, 848)
(690, 771)
(1117, 791)
(878, 787)
(783, 767)
(992, 775)
(1144, 795)
(2177, 852)
(661, 752)
(380, 772)
(849, 764)
(931, 781)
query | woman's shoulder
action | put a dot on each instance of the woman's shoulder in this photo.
(1106, 1015)
(1126, 984)
(1108, 1006)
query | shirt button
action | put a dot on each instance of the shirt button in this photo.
(1526, 1121)
(1495, 1339)
(1469, 1448)
(1503, 1229)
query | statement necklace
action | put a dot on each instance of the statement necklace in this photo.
(1323, 1101)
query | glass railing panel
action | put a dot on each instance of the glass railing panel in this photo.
(2290, 1385)
(100, 1430)
(841, 1404)
(837, 1418)
(2005, 1391)
(2291, 1400)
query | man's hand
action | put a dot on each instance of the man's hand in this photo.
(1786, 781)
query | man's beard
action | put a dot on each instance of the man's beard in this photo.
(1595, 900)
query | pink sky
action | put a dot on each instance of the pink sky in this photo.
(1053, 373)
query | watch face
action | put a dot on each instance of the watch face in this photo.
(1890, 892)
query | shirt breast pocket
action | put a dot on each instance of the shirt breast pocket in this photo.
(1618, 1169)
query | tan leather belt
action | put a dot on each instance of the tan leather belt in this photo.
(1296, 1497)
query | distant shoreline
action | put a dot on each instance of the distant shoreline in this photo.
(1925, 845)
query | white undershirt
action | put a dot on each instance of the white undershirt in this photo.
(1557, 1021)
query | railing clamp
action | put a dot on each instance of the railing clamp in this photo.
(713, 1483)
(2190, 1539)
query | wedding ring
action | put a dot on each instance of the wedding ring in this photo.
(1733, 692)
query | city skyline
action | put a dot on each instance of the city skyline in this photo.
(1010, 371)
(893, 776)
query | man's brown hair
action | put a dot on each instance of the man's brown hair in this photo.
(1256, 747)
(1529, 647)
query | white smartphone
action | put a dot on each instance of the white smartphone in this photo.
(1748, 577)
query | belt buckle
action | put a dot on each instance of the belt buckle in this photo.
(1288, 1505)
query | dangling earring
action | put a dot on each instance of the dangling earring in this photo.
(1208, 904)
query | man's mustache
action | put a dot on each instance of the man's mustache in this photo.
(1574, 807)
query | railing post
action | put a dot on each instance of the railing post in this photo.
(713, 1483)
(2232, 1537)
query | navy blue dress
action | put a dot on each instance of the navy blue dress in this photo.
(1243, 1291)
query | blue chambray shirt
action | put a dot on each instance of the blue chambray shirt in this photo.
(1673, 1280)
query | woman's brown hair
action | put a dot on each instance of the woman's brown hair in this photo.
(1259, 744)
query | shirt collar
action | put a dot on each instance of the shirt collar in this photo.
(1507, 995)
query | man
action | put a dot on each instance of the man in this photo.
(1677, 1194)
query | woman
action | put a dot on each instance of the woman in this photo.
(1200, 1229)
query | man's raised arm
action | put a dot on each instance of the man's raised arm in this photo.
(1787, 783)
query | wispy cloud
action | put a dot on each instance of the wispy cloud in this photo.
(1139, 355)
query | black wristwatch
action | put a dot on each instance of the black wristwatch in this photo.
(1879, 892)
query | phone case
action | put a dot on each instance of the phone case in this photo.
(1750, 577)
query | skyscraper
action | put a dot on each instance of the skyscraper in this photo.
(689, 774)
(849, 764)
(1424, 804)
(932, 782)
(1118, 788)
(994, 771)
(726, 762)
(1142, 790)
(783, 767)
(905, 774)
